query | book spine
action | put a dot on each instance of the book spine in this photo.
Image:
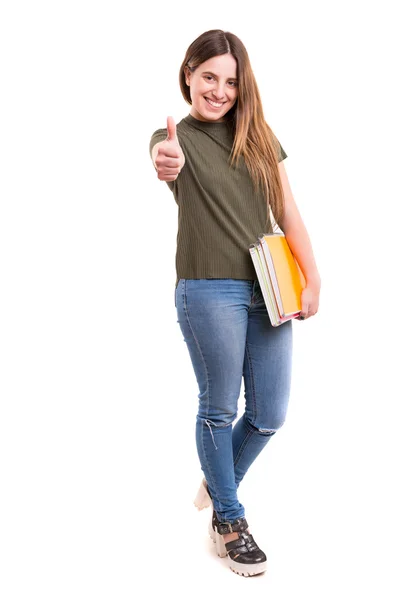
(264, 281)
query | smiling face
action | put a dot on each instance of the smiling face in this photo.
(213, 88)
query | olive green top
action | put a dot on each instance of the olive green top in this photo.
(220, 214)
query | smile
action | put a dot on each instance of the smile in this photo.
(214, 104)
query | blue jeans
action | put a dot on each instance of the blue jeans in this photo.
(229, 335)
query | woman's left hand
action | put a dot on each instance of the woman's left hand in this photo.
(309, 302)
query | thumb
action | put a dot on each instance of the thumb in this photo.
(171, 129)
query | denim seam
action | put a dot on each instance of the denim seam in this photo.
(243, 446)
(252, 391)
(208, 381)
(252, 396)
(197, 343)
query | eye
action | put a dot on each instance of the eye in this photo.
(208, 77)
(232, 83)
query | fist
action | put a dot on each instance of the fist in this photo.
(169, 159)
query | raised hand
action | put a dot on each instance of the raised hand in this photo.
(169, 158)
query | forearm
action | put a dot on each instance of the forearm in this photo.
(296, 233)
(299, 242)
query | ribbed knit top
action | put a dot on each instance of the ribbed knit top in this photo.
(219, 212)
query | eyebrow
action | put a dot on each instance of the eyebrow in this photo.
(214, 75)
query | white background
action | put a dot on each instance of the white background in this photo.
(98, 399)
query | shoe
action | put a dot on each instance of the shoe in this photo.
(244, 556)
(203, 500)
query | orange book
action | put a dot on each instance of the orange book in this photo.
(280, 277)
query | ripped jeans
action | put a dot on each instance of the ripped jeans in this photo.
(228, 333)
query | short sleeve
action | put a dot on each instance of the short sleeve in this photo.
(283, 154)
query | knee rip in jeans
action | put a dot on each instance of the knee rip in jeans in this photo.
(267, 431)
(209, 423)
(263, 430)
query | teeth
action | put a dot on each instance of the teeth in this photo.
(216, 104)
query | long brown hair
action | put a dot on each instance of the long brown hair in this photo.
(253, 138)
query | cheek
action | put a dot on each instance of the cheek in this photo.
(201, 89)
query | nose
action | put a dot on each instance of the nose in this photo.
(218, 91)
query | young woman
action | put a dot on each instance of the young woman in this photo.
(225, 168)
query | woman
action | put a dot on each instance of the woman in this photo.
(225, 168)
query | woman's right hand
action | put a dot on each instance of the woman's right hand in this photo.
(168, 157)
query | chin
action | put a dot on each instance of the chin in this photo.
(214, 117)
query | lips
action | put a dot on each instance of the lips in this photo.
(214, 104)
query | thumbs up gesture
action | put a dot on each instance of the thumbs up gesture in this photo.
(168, 157)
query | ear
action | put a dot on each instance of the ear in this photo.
(187, 76)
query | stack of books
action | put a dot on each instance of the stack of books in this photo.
(280, 277)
